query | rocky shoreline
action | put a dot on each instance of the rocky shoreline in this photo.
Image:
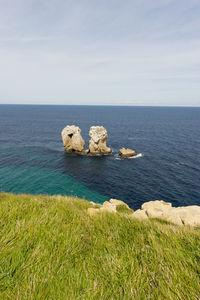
(186, 215)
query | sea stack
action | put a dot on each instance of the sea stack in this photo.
(97, 143)
(72, 140)
(125, 152)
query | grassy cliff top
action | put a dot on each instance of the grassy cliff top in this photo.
(51, 249)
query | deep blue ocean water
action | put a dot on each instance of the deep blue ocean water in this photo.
(32, 158)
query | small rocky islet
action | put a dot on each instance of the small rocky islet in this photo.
(73, 142)
(125, 152)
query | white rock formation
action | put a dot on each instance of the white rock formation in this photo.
(186, 215)
(97, 143)
(118, 202)
(108, 206)
(140, 214)
(72, 139)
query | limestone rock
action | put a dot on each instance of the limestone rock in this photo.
(113, 206)
(139, 214)
(72, 139)
(162, 210)
(118, 202)
(172, 217)
(125, 152)
(97, 143)
(156, 204)
(156, 209)
(92, 211)
(107, 206)
(190, 215)
(187, 215)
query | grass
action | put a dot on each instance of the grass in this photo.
(124, 210)
(51, 249)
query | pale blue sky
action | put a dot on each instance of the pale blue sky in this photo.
(118, 52)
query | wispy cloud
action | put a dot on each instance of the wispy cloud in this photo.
(100, 52)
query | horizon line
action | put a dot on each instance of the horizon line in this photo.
(112, 105)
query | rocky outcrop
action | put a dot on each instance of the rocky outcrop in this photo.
(125, 152)
(92, 211)
(118, 202)
(72, 140)
(97, 143)
(140, 214)
(107, 206)
(186, 215)
(111, 206)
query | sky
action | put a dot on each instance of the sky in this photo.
(100, 52)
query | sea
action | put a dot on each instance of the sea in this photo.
(167, 140)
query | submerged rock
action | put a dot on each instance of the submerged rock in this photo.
(125, 152)
(72, 140)
(97, 143)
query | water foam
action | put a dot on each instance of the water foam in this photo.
(117, 157)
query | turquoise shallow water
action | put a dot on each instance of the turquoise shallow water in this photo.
(25, 180)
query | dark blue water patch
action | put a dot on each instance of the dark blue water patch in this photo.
(168, 138)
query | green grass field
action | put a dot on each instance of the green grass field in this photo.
(51, 249)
